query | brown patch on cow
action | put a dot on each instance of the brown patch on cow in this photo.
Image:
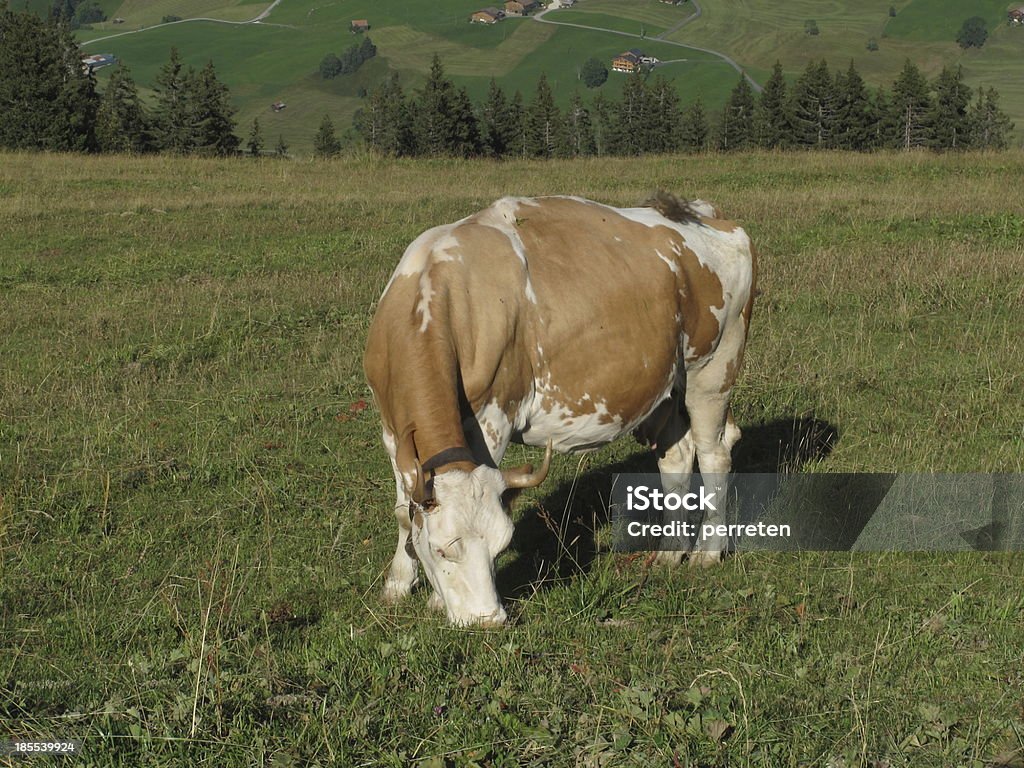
(701, 290)
(732, 371)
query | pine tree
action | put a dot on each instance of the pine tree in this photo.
(465, 131)
(326, 144)
(632, 123)
(771, 117)
(855, 114)
(48, 101)
(496, 132)
(382, 123)
(912, 108)
(577, 134)
(542, 121)
(255, 143)
(883, 131)
(990, 127)
(695, 131)
(519, 142)
(665, 119)
(950, 118)
(435, 125)
(121, 123)
(605, 126)
(214, 123)
(737, 127)
(281, 150)
(814, 108)
(174, 114)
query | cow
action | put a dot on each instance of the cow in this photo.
(558, 322)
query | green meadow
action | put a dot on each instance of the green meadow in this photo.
(195, 507)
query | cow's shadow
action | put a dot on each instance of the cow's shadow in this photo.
(555, 537)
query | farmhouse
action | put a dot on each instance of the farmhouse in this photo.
(629, 61)
(1016, 15)
(488, 16)
(359, 25)
(564, 3)
(98, 60)
(520, 7)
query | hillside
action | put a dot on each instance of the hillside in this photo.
(278, 58)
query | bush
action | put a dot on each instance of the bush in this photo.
(973, 33)
(170, 18)
(593, 73)
(811, 27)
(872, 44)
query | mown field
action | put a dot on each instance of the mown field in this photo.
(195, 506)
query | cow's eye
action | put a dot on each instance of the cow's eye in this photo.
(452, 550)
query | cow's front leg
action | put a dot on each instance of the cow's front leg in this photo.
(404, 570)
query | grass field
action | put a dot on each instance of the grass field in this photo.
(195, 506)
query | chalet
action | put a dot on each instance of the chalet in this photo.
(630, 61)
(565, 3)
(97, 61)
(487, 16)
(1016, 15)
(520, 7)
(277, 106)
(359, 25)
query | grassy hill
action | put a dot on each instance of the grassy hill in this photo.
(278, 60)
(195, 508)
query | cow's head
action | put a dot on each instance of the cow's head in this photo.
(459, 525)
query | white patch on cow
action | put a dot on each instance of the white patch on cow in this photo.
(426, 294)
(671, 264)
(496, 428)
(530, 295)
(704, 208)
(617, 238)
(548, 416)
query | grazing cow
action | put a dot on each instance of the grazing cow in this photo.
(552, 321)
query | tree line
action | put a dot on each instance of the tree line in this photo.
(821, 110)
(51, 102)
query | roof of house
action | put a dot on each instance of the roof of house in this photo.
(360, 23)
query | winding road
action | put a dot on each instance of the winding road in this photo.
(659, 38)
(255, 20)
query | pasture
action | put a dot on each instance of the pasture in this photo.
(195, 508)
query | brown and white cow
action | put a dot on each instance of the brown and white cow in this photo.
(551, 321)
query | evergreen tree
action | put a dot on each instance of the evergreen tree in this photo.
(950, 119)
(465, 131)
(771, 118)
(330, 66)
(973, 33)
(814, 108)
(382, 123)
(542, 121)
(496, 130)
(632, 124)
(665, 122)
(737, 127)
(695, 131)
(605, 127)
(577, 135)
(435, 122)
(883, 131)
(281, 150)
(912, 108)
(121, 124)
(855, 114)
(326, 144)
(173, 117)
(48, 101)
(255, 143)
(519, 142)
(213, 114)
(990, 127)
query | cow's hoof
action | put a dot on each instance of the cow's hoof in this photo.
(705, 559)
(668, 558)
(434, 602)
(394, 591)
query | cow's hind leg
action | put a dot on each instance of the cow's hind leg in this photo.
(404, 569)
(675, 463)
(714, 434)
